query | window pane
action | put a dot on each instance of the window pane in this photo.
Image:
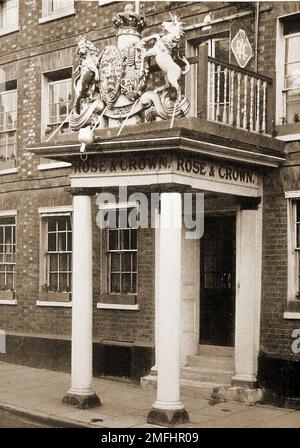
(134, 239)
(62, 242)
(293, 49)
(115, 283)
(51, 224)
(69, 241)
(8, 14)
(59, 100)
(63, 262)
(53, 262)
(126, 283)
(134, 284)
(8, 110)
(51, 242)
(10, 281)
(113, 240)
(126, 262)
(53, 282)
(222, 49)
(134, 264)
(63, 283)
(293, 69)
(293, 109)
(2, 278)
(124, 234)
(115, 263)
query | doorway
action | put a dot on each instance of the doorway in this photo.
(217, 281)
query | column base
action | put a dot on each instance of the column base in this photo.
(82, 401)
(249, 381)
(167, 417)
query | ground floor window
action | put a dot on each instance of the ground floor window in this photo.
(120, 255)
(297, 243)
(294, 249)
(56, 250)
(7, 257)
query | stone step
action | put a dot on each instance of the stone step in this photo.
(208, 362)
(187, 387)
(220, 376)
(216, 351)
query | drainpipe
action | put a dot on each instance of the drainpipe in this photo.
(256, 37)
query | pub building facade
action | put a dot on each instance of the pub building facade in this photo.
(105, 105)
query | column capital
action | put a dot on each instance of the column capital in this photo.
(248, 203)
(81, 191)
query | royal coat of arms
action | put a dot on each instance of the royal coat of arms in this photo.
(110, 73)
(111, 86)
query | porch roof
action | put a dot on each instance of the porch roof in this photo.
(193, 135)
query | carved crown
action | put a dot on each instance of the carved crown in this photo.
(129, 21)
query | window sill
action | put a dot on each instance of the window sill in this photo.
(288, 132)
(57, 15)
(55, 297)
(53, 166)
(8, 171)
(117, 306)
(291, 315)
(8, 302)
(53, 303)
(9, 31)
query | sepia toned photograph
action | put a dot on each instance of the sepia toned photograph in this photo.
(149, 217)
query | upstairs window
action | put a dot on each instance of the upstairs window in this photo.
(288, 70)
(54, 9)
(292, 72)
(57, 100)
(8, 124)
(218, 47)
(9, 16)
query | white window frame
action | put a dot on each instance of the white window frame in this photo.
(14, 27)
(55, 83)
(280, 69)
(50, 298)
(104, 274)
(191, 85)
(293, 253)
(45, 101)
(48, 15)
(10, 300)
(7, 130)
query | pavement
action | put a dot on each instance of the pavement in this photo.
(36, 395)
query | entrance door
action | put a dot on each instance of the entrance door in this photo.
(217, 282)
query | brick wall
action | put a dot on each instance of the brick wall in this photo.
(275, 330)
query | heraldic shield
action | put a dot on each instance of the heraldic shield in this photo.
(135, 71)
(110, 71)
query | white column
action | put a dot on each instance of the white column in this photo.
(168, 409)
(81, 393)
(249, 254)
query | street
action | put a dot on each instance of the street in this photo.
(8, 420)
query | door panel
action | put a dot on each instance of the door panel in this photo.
(217, 300)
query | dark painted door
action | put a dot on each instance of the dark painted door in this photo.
(217, 282)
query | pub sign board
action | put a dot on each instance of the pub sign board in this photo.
(197, 167)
